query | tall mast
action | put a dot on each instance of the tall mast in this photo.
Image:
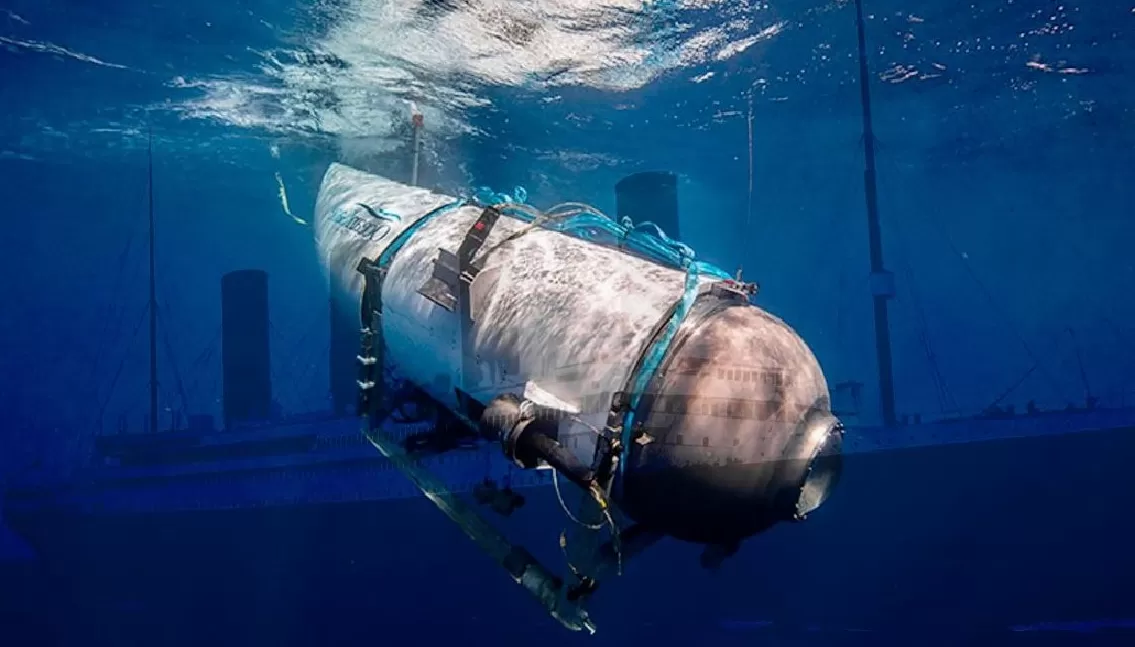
(418, 122)
(882, 282)
(153, 291)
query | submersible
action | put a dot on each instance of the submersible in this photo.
(603, 350)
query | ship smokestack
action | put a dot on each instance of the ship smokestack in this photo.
(651, 195)
(245, 359)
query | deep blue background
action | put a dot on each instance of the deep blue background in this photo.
(1005, 166)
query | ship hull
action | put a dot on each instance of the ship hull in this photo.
(937, 542)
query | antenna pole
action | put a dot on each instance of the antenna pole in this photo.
(418, 122)
(749, 204)
(153, 289)
(882, 282)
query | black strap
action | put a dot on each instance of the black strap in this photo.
(371, 342)
(710, 300)
(370, 339)
(474, 239)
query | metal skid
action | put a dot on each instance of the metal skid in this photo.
(563, 598)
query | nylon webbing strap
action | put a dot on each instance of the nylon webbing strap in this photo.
(371, 347)
(524, 569)
(654, 356)
(474, 240)
(651, 359)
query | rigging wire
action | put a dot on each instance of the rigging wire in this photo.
(216, 388)
(843, 294)
(1080, 363)
(1089, 260)
(1126, 375)
(118, 320)
(946, 401)
(204, 356)
(749, 206)
(869, 142)
(275, 367)
(296, 356)
(109, 307)
(1012, 387)
(153, 301)
(179, 383)
(297, 380)
(295, 391)
(121, 365)
(1086, 256)
(114, 322)
(110, 340)
(995, 306)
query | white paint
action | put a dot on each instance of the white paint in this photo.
(567, 314)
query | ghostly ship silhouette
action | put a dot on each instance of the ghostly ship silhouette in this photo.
(303, 515)
(296, 531)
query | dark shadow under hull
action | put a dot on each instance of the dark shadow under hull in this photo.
(976, 543)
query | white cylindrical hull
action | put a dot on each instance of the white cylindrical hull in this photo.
(733, 431)
(569, 315)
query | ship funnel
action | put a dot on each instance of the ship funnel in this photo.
(650, 196)
(245, 359)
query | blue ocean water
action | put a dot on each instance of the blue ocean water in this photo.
(1004, 140)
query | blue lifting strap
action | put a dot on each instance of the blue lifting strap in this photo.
(656, 352)
(387, 255)
(645, 239)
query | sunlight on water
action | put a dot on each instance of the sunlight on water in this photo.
(380, 59)
(56, 50)
(934, 197)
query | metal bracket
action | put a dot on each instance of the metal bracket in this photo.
(522, 567)
(449, 287)
(541, 583)
(735, 289)
(454, 273)
(442, 288)
(605, 465)
(609, 449)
